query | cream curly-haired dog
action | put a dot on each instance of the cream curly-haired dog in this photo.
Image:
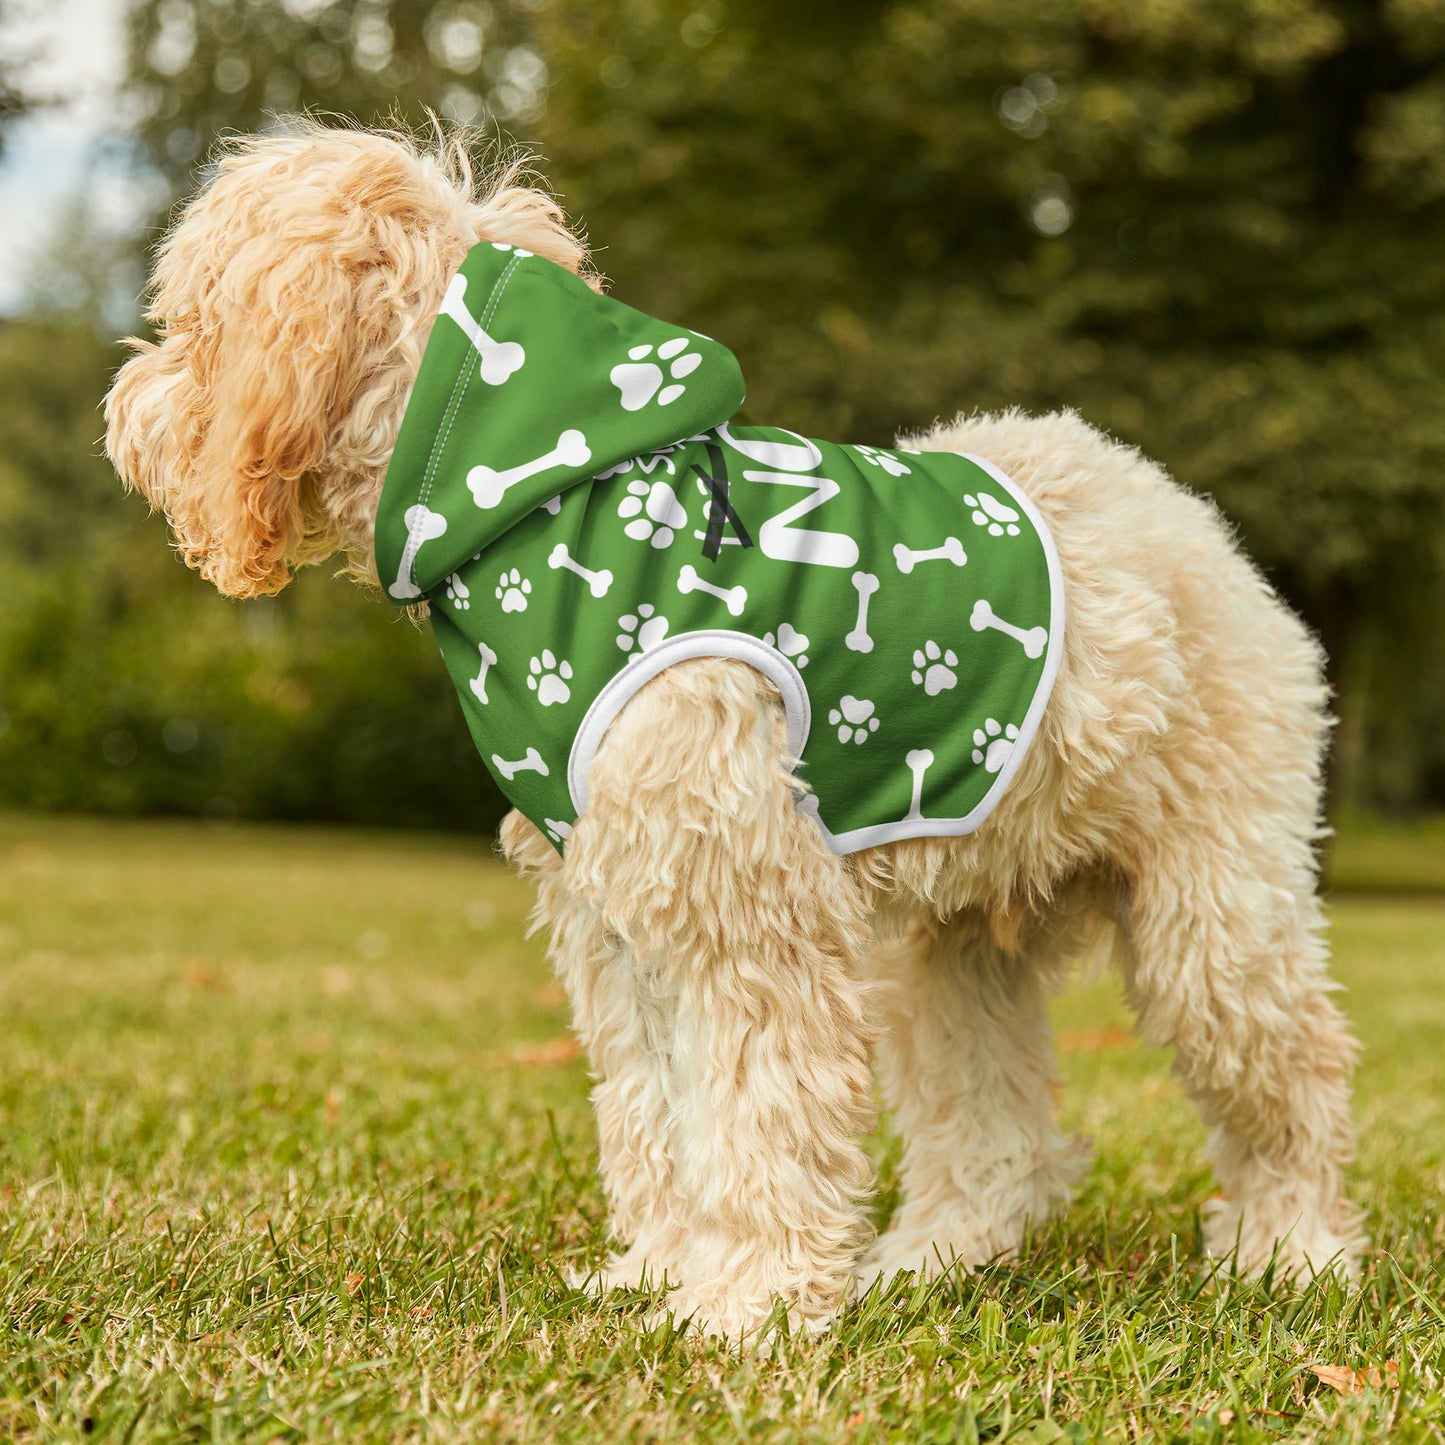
(730, 975)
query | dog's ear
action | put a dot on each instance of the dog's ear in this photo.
(287, 301)
(222, 422)
(276, 355)
(148, 410)
(293, 301)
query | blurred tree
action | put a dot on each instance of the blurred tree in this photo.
(14, 101)
(127, 685)
(202, 67)
(1217, 229)
(1214, 226)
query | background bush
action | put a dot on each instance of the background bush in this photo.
(1216, 229)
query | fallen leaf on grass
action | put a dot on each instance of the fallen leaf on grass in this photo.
(1085, 1041)
(1355, 1382)
(354, 1283)
(551, 1051)
(196, 974)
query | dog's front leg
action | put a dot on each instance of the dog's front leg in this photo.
(743, 931)
(624, 1024)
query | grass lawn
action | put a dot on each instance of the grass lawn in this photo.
(293, 1146)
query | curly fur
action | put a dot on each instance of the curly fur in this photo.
(292, 300)
(729, 976)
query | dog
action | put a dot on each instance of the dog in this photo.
(731, 974)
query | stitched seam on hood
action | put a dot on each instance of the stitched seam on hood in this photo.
(438, 445)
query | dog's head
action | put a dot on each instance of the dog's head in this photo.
(292, 301)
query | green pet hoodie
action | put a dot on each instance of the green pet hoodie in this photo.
(568, 494)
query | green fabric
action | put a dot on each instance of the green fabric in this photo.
(568, 494)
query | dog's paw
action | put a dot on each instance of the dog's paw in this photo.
(854, 718)
(753, 1324)
(513, 590)
(900, 1253)
(1298, 1247)
(458, 593)
(655, 511)
(634, 1270)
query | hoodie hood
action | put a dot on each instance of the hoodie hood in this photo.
(531, 384)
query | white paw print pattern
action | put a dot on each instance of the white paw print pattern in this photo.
(548, 678)
(513, 590)
(458, 593)
(933, 668)
(641, 629)
(640, 380)
(992, 514)
(656, 512)
(992, 744)
(891, 464)
(854, 718)
(557, 830)
(790, 643)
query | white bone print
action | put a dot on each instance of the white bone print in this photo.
(908, 557)
(735, 598)
(488, 486)
(919, 761)
(531, 763)
(478, 684)
(1034, 639)
(422, 525)
(597, 582)
(858, 640)
(499, 358)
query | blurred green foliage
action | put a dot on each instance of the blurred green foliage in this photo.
(1214, 227)
(127, 685)
(14, 101)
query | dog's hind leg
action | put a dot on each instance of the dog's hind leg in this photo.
(694, 853)
(966, 1062)
(1226, 959)
(1227, 964)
